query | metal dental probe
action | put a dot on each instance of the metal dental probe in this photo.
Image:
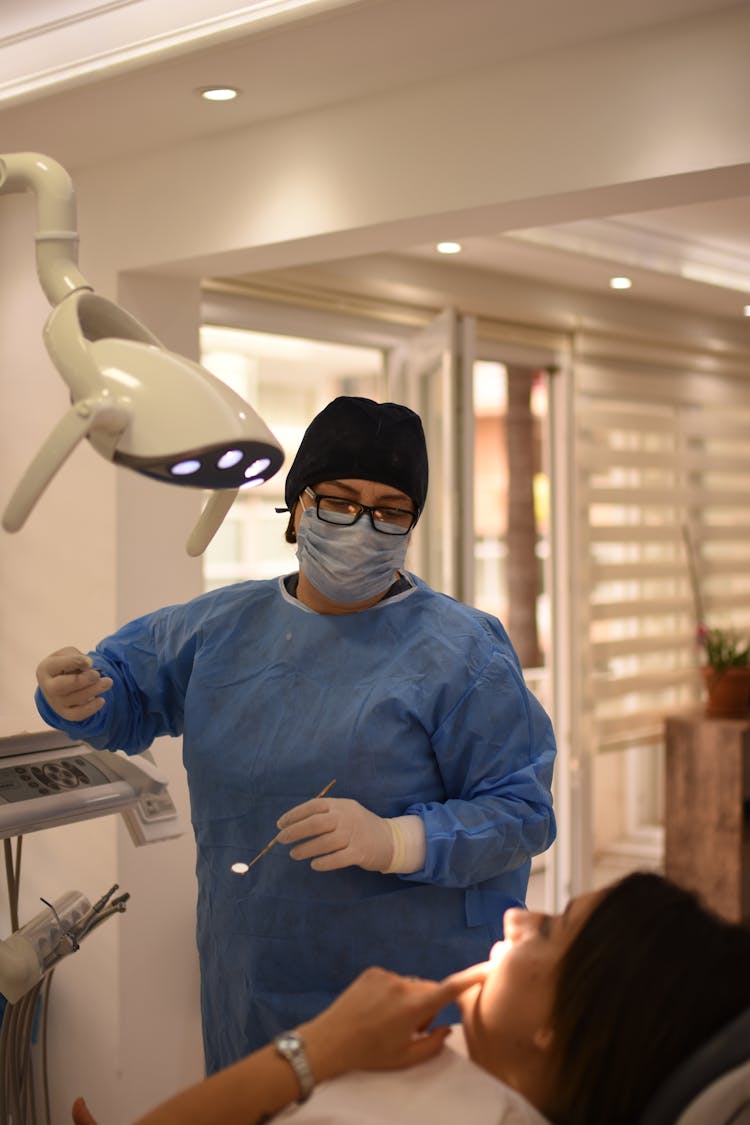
(242, 868)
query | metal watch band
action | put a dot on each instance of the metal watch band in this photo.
(290, 1046)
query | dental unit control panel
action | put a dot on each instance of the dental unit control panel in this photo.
(47, 780)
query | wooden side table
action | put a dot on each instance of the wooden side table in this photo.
(707, 813)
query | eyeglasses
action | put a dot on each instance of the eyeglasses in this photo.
(337, 509)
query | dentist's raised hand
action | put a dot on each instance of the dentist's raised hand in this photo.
(71, 685)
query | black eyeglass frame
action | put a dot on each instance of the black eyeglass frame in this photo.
(363, 508)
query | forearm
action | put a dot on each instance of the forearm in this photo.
(495, 752)
(375, 1024)
(251, 1091)
(471, 840)
(247, 1093)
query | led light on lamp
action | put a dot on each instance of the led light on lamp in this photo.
(185, 468)
(257, 467)
(229, 459)
(218, 93)
(449, 247)
(620, 283)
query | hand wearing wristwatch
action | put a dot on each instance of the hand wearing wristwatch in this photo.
(290, 1046)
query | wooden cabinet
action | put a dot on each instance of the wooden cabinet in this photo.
(707, 810)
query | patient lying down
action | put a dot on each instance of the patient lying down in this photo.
(576, 1018)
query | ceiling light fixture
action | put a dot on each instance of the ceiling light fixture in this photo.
(449, 247)
(746, 310)
(219, 93)
(620, 283)
(138, 404)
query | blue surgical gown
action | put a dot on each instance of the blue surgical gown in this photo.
(416, 705)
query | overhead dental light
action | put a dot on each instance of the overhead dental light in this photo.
(139, 404)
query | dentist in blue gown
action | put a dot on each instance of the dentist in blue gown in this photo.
(352, 669)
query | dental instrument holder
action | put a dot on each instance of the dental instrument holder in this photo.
(33, 950)
(139, 404)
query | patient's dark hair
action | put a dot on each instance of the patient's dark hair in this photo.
(649, 978)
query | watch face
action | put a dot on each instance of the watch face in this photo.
(291, 1047)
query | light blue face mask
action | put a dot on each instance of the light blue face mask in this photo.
(351, 563)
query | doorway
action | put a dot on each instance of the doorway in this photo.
(485, 536)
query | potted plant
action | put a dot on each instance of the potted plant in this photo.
(726, 657)
(726, 672)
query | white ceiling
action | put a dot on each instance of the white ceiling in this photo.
(88, 82)
(695, 257)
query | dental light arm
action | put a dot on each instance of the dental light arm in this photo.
(138, 404)
(57, 236)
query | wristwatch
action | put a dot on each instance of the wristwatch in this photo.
(290, 1046)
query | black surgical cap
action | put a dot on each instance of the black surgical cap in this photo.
(363, 440)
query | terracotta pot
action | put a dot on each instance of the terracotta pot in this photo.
(728, 692)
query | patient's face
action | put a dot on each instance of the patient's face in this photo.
(508, 1010)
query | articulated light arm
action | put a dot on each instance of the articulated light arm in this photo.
(137, 403)
(57, 234)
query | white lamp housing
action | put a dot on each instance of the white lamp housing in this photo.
(139, 404)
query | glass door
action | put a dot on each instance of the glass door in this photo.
(511, 534)
(485, 537)
(432, 374)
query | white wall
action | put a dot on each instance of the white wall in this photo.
(595, 130)
(158, 967)
(88, 557)
(56, 587)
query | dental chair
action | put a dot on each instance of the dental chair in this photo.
(712, 1087)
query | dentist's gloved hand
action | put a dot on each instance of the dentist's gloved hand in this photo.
(339, 832)
(71, 685)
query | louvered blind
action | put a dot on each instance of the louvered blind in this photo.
(661, 444)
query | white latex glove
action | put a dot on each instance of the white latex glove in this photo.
(338, 832)
(71, 685)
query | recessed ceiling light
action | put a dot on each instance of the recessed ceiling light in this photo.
(746, 310)
(620, 282)
(449, 247)
(218, 93)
